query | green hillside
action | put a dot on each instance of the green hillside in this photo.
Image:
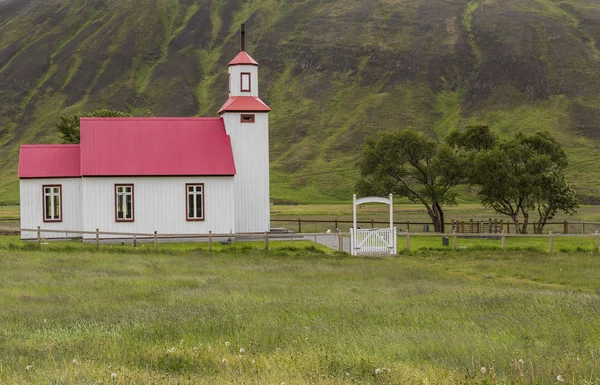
(334, 72)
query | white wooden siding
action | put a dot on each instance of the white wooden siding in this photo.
(235, 86)
(160, 204)
(250, 145)
(32, 214)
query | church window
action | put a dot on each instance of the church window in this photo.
(247, 118)
(52, 203)
(195, 201)
(245, 82)
(124, 204)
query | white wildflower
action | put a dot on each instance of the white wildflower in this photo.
(283, 383)
(521, 361)
(75, 361)
(483, 370)
(226, 343)
(560, 378)
(377, 371)
(113, 376)
(224, 360)
(28, 368)
(242, 350)
(172, 350)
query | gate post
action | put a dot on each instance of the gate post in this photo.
(352, 252)
(407, 240)
(395, 241)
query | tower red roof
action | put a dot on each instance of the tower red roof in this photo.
(243, 58)
(244, 104)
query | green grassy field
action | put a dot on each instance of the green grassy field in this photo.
(296, 316)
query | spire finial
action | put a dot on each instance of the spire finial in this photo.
(243, 37)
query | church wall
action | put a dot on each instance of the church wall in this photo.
(250, 145)
(159, 204)
(31, 198)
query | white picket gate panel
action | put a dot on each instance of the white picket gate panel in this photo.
(373, 241)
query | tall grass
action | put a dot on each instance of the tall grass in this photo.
(298, 316)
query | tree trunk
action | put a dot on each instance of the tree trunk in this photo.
(437, 217)
(515, 219)
(525, 223)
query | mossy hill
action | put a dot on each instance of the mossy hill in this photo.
(334, 73)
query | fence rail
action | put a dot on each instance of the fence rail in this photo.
(471, 226)
(155, 237)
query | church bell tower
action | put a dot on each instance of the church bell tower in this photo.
(246, 119)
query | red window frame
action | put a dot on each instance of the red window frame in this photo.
(132, 203)
(187, 197)
(242, 82)
(247, 118)
(60, 203)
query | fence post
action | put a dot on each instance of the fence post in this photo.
(471, 225)
(372, 223)
(340, 241)
(407, 241)
(597, 240)
(551, 241)
(134, 240)
(209, 240)
(407, 225)
(299, 225)
(351, 241)
(478, 227)
(336, 224)
(566, 227)
(155, 240)
(462, 226)
(454, 239)
(501, 225)
(490, 225)
(39, 237)
(503, 240)
(97, 239)
(266, 240)
(582, 227)
(395, 240)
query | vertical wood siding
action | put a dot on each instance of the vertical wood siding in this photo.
(32, 207)
(235, 85)
(160, 204)
(250, 145)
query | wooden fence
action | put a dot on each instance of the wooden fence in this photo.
(155, 237)
(490, 226)
(502, 237)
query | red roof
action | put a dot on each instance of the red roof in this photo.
(49, 161)
(243, 58)
(244, 104)
(155, 146)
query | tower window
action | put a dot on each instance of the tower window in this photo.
(245, 81)
(247, 118)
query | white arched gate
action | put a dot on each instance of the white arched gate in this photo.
(370, 241)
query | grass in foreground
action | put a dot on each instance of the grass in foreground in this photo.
(298, 316)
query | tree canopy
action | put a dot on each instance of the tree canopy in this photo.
(68, 125)
(411, 164)
(519, 176)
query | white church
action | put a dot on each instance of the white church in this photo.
(170, 175)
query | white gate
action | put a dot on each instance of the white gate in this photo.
(371, 241)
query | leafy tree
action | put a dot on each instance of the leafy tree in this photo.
(411, 164)
(68, 126)
(522, 175)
